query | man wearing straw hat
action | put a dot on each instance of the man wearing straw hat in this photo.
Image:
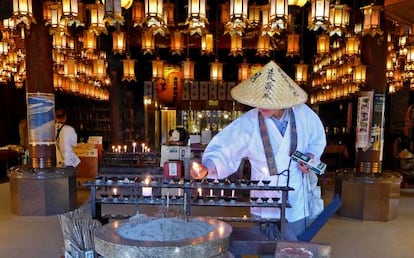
(279, 118)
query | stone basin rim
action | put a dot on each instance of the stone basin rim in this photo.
(108, 234)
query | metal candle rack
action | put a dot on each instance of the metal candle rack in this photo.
(188, 193)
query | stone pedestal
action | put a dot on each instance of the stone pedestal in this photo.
(42, 192)
(370, 197)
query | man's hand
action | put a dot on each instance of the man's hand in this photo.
(198, 170)
(303, 167)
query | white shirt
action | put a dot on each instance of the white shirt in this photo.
(242, 138)
(66, 140)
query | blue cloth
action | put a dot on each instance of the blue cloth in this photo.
(281, 123)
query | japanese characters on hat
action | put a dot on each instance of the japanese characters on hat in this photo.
(269, 88)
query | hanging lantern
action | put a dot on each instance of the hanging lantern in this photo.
(292, 45)
(301, 72)
(99, 68)
(266, 29)
(129, 69)
(47, 14)
(207, 44)
(237, 17)
(59, 41)
(4, 48)
(187, 68)
(113, 12)
(118, 42)
(338, 18)
(157, 69)
(322, 43)
(372, 18)
(359, 74)
(70, 10)
(57, 25)
(225, 12)
(97, 16)
(352, 45)
(410, 54)
(216, 71)
(169, 19)
(177, 43)
(138, 13)
(197, 18)
(148, 43)
(244, 71)
(22, 12)
(331, 74)
(236, 46)
(278, 13)
(263, 45)
(319, 14)
(89, 41)
(254, 15)
(389, 64)
(154, 13)
(57, 81)
(9, 24)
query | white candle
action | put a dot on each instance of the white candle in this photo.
(115, 191)
(222, 193)
(200, 192)
(146, 191)
(185, 203)
(232, 193)
(211, 192)
(134, 146)
(119, 148)
(142, 147)
(113, 148)
(168, 199)
(125, 148)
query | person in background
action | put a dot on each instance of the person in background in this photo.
(291, 125)
(66, 139)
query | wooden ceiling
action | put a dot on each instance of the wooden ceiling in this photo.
(401, 11)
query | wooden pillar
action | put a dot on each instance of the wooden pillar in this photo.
(40, 92)
(116, 100)
(374, 55)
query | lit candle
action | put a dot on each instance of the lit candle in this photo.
(125, 148)
(200, 192)
(142, 147)
(232, 193)
(119, 148)
(147, 190)
(113, 148)
(222, 193)
(134, 146)
(115, 191)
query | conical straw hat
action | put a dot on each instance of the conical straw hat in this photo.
(270, 88)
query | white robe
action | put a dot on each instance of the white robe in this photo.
(242, 138)
(67, 139)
